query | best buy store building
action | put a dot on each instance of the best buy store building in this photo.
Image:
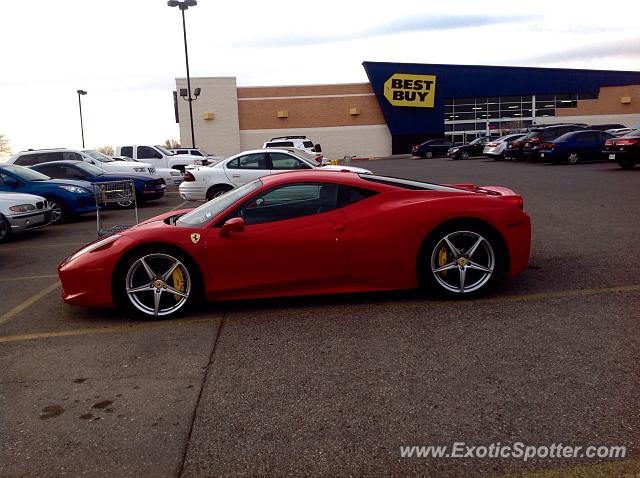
(404, 104)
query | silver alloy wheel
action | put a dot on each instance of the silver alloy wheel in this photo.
(464, 155)
(148, 284)
(469, 262)
(428, 155)
(573, 158)
(56, 211)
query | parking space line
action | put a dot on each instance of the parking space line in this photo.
(179, 206)
(168, 324)
(31, 246)
(28, 303)
(12, 279)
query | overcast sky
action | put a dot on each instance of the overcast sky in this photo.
(127, 53)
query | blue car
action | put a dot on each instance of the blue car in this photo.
(147, 187)
(67, 198)
(576, 146)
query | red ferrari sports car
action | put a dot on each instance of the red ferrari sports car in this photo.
(307, 232)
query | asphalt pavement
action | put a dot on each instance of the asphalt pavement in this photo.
(335, 385)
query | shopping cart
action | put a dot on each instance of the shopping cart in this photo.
(120, 193)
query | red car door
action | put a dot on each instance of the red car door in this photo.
(294, 240)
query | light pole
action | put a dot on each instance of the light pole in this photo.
(81, 93)
(184, 5)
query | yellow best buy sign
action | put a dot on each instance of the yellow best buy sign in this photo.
(410, 90)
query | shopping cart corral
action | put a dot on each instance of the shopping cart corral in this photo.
(119, 193)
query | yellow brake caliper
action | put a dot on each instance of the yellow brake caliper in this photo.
(178, 282)
(442, 259)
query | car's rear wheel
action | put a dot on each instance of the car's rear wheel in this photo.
(464, 155)
(217, 191)
(626, 164)
(156, 284)
(5, 229)
(460, 261)
(573, 157)
(428, 155)
(58, 210)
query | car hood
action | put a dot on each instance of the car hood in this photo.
(351, 169)
(14, 197)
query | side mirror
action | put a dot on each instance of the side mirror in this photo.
(12, 183)
(235, 224)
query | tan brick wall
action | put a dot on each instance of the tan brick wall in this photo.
(607, 103)
(304, 90)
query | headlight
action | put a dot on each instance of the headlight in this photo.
(23, 208)
(454, 150)
(93, 247)
(75, 189)
(140, 170)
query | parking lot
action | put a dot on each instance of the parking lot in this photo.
(334, 386)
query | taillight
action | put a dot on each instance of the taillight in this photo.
(535, 139)
(626, 142)
(188, 176)
(515, 199)
(491, 145)
(548, 146)
(608, 142)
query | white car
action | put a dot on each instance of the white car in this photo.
(22, 212)
(172, 177)
(104, 162)
(208, 182)
(496, 147)
(211, 158)
(297, 142)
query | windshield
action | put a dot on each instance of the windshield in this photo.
(103, 158)
(203, 214)
(164, 150)
(90, 169)
(25, 173)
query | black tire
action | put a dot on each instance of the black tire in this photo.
(461, 279)
(58, 210)
(5, 229)
(573, 157)
(463, 155)
(627, 164)
(428, 155)
(132, 277)
(218, 190)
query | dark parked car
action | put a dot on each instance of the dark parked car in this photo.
(147, 187)
(604, 127)
(473, 148)
(624, 150)
(431, 148)
(575, 147)
(66, 198)
(532, 142)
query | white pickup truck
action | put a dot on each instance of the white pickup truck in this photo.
(159, 156)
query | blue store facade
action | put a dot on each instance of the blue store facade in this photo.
(425, 101)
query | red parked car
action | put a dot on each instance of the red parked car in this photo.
(307, 232)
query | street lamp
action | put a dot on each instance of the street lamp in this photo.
(81, 93)
(184, 5)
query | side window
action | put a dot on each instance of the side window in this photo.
(587, 138)
(289, 202)
(182, 151)
(249, 161)
(195, 152)
(348, 195)
(283, 162)
(71, 156)
(71, 172)
(126, 151)
(27, 160)
(50, 170)
(146, 152)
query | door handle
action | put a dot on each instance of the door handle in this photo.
(340, 228)
(235, 175)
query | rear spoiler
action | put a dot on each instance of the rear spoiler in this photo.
(498, 191)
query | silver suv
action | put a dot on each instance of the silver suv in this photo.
(298, 142)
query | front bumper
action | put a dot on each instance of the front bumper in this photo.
(31, 220)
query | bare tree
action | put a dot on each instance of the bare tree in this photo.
(172, 143)
(5, 147)
(108, 150)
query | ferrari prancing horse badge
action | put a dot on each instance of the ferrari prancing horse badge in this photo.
(195, 237)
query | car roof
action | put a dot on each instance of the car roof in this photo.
(62, 161)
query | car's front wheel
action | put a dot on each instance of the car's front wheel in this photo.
(156, 284)
(460, 261)
(5, 229)
(58, 210)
